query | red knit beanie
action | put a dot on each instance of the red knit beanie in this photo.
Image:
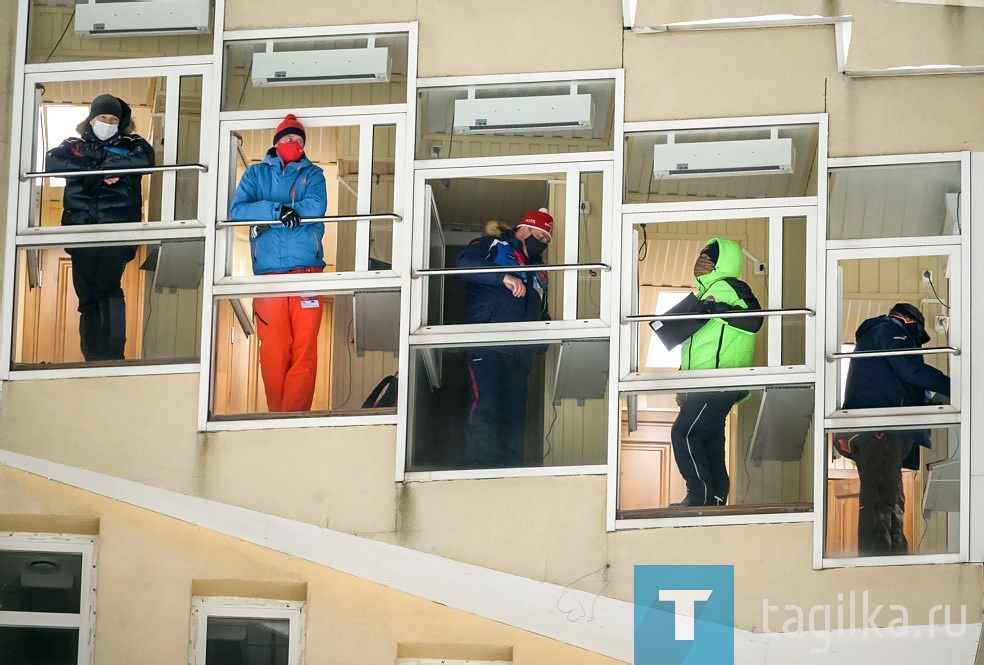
(538, 219)
(290, 125)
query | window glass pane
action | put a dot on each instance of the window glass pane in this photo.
(723, 451)
(63, 109)
(666, 254)
(721, 164)
(189, 147)
(515, 119)
(50, 646)
(896, 492)
(904, 201)
(355, 347)
(468, 404)
(348, 70)
(131, 304)
(870, 288)
(40, 582)
(794, 248)
(590, 207)
(236, 641)
(381, 196)
(335, 150)
(70, 32)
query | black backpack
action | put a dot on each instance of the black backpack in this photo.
(383, 396)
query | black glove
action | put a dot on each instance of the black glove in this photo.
(289, 218)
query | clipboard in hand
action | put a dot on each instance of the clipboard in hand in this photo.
(673, 333)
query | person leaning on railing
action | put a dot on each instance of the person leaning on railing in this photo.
(106, 141)
(287, 186)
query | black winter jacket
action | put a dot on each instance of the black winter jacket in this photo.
(488, 300)
(88, 199)
(893, 381)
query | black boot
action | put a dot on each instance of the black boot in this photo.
(688, 501)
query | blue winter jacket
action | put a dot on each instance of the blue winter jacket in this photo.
(892, 381)
(488, 300)
(264, 188)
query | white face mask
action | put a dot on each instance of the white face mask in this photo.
(103, 130)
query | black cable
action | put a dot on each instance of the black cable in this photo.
(644, 247)
(649, 190)
(249, 70)
(937, 296)
(549, 433)
(64, 32)
(450, 144)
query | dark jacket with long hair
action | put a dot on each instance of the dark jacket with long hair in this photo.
(89, 199)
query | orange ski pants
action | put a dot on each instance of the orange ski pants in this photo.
(288, 331)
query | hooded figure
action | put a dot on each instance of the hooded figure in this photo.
(888, 381)
(106, 141)
(697, 434)
(288, 187)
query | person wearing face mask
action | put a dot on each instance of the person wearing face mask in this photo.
(288, 187)
(888, 381)
(697, 434)
(106, 141)
(498, 377)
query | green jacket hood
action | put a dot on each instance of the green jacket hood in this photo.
(730, 259)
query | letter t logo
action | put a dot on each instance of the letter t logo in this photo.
(683, 607)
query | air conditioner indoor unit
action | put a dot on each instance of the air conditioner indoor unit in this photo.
(513, 115)
(722, 158)
(157, 17)
(358, 65)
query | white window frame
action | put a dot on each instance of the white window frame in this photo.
(814, 208)
(413, 333)
(403, 115)
(20, 237)
(84, 621)
(204, 607)
(958, 247)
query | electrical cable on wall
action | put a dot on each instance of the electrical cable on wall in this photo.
(64, 32)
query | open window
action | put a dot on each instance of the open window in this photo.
(48, 593)
(751, 446)
(770, 255)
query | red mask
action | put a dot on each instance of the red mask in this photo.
(290, 152)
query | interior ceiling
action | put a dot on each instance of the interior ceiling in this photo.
(12, 564)
(440, 106)
(801, 182)
(465, 204)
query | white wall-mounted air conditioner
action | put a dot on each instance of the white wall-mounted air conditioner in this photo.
(514, 115)
(722, 158)
(138, 19)
(359, 65)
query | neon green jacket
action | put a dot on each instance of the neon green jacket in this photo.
(722, 342)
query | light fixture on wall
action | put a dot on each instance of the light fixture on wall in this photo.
(371, 64)
(518, 115)
(153, 17)
(46, 574)
(707, 159)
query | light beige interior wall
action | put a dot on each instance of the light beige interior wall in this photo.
(253, 14)
(349, 621)
(470, 37)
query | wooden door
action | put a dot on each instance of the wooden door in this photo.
(843, 501)
(648, 475)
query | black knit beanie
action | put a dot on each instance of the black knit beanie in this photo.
(106, 104)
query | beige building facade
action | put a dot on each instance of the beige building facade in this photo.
(839, 144)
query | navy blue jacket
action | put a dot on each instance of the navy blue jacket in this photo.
(891, 381)
(487, 299)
